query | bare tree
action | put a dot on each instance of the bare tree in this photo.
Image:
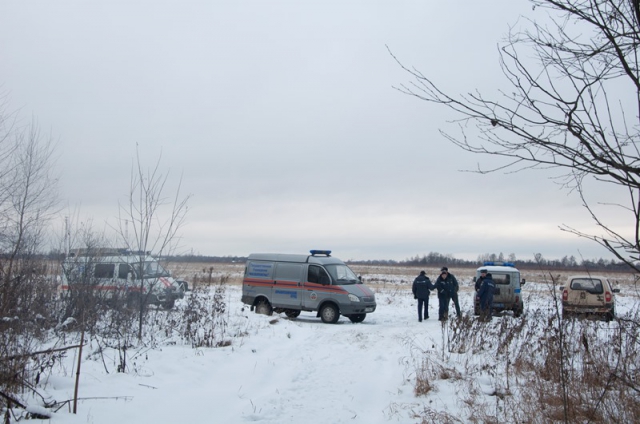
(150, 221)
(29, 200)
(575, 107)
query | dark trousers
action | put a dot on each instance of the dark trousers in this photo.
(454, 297)
(443, 310)
(421, 303)
(485, 309)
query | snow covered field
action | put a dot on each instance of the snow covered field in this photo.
(280, 370)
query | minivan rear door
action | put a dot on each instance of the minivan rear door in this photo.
(504, 290)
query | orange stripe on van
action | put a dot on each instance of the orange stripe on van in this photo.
(290, 284)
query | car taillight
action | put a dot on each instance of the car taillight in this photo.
(607, 297)
(565, 295)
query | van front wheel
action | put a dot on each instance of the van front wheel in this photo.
(264, 308)
(329, 314)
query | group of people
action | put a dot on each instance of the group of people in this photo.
(447, 288)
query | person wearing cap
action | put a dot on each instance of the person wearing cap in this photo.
(486, 297)
(421, 290)
(483, 274)
(447, 286)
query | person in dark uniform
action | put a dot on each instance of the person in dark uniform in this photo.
(483, 274)
(444, 295)
(421, 290)
(486, 297)
(449, 291)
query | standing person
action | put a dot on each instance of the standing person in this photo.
(421, 290)
(483, 274)
(452, 284)
(486, 297)
(444, 294)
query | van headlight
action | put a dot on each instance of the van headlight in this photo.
(354, 298)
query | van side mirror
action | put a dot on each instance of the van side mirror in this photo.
(523, 282)
(561, 288)
(474, 279)
(359, 279)
(616, 290)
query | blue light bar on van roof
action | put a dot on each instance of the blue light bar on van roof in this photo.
(320, 252)
(498, 263)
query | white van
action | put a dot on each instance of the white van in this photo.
(316, 282)
(119, 273)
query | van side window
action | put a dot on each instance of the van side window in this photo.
(104, 270)
(262, 270)
(317, 275)
(123, 271)
(288, 272)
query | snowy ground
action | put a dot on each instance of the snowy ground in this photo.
(278, 370)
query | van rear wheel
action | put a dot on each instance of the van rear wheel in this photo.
(517, 312)
(329, 314)
(610, 316)
(264, 308)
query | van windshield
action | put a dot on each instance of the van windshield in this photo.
(342, 274)
(153, 269)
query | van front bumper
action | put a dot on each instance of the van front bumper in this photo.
(166, 296)
(357, 308)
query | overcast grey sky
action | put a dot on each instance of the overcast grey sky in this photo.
(282, 118)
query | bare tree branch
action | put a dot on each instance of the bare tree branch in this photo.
(565, 108)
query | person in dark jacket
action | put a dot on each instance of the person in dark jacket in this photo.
(444, 294)
(447, 286)
(483, 274)
(421, 290)
(486, 297)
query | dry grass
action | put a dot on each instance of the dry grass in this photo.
(543, 369)
(423, 385)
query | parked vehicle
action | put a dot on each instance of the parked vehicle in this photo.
(122, 274)
(289, 284)
(507, 295)
(589, 295)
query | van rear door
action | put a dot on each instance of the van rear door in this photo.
(504, 290)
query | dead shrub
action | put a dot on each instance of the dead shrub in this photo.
(204, 321)
(422, 385)
(547, 369)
